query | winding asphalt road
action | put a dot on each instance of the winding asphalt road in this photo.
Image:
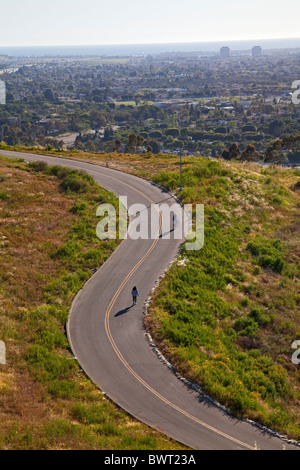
(107, 335)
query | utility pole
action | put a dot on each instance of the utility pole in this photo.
(181, 188)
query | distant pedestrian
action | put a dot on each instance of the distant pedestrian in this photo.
(135, 294)
(174, 219)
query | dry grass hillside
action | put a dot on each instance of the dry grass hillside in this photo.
(48, 248)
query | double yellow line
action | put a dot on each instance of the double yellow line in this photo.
(116, 349)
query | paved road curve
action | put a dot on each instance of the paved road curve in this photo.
(108, 339)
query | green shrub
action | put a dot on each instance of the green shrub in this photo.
(48, 365)
(39, 166)
(57, 428)
(68, 250)
(246, 326)
(209, 168)
(277, 200)
(169, 181)
(268, 253)
(78, 207)
(63, 389)
(258, 315)
(256, 270)
(52, 339)
(245, 302)
(60, 172)
(89, 414)
(74, 183)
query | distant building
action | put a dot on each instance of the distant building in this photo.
(256, 51)
(2, 92)
(224, 52)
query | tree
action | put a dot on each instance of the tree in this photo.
(73, 123)
(140, 140)
(155, 146)
(157, 134)
(49, 95)
(276, 128)
(174, 132)
(250, 154)
(280, 149)
(117, 145)
(184, 133)
(97, 119)
(221, 130)
(132, 143)
(108, 133)
(232, 153)
(10, 98)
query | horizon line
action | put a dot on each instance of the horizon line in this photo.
(153, 43)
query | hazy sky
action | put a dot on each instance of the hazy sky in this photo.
(67, 22)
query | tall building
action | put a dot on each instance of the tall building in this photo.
(224, 52)
(2, 92)
(256, 51)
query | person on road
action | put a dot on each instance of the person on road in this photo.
(174, 220)
(135, 294)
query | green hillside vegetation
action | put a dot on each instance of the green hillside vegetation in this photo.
(48, 249)
(227, 317)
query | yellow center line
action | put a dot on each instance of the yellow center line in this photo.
(116, 349)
